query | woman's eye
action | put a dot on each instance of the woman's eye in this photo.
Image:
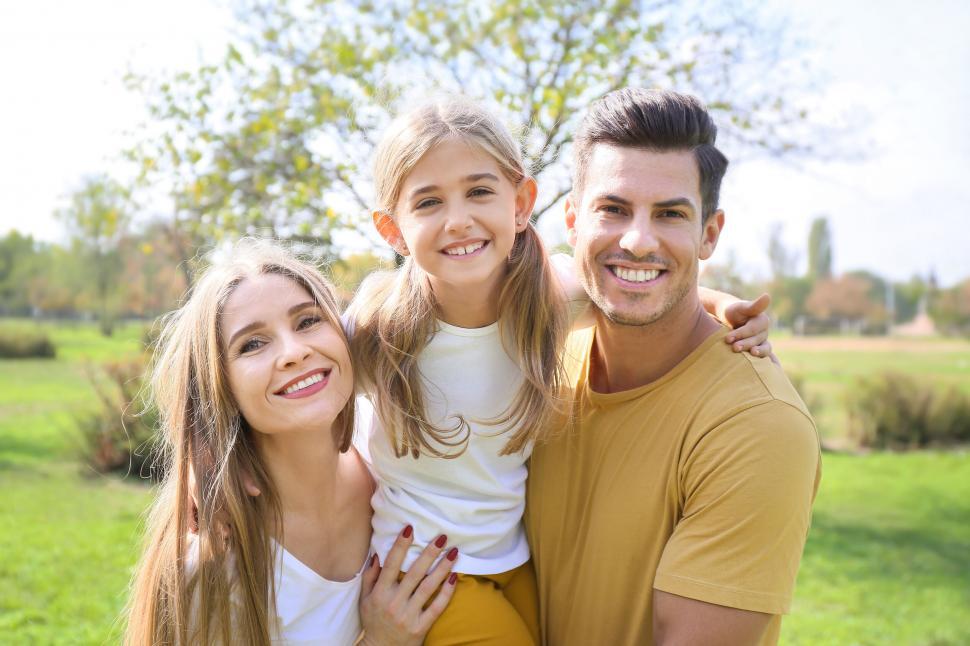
(307, 321)
(251, 345)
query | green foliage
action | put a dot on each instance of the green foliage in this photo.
(97, 219)
(118, 435)
(820, 250)
(950, 308)
(19, 260)
(896, 411)
(277, 139)
(18, 343)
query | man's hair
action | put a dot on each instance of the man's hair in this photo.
(654, 120)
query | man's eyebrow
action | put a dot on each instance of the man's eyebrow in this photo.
(431, 188)
(609, 197)
(677, 201)
(299, 307)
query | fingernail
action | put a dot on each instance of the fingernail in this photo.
(452, 578)
(737, 348)
(730, 339)
(755, 351)
(452, 554)
(407, 532)
(440, 542)
(373, 559)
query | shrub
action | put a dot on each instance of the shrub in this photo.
(899, 412)
(24, 343)
(118, 435)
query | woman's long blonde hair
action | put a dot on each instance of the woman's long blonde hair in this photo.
(395, 313)
(226, 594)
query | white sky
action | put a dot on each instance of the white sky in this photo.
(904, 66)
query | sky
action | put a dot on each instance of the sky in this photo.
(902, 71)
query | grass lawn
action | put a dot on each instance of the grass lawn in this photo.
(887, 562)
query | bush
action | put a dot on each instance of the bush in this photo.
(118, 436)
(23, 343)
(893, 411)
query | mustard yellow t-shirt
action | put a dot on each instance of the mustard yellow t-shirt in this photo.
(699, 484)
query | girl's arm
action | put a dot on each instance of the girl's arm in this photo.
(748, 319)
(392, 607)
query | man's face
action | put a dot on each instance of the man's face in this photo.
(637, 232)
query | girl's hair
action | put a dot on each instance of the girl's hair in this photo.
(227, 595)
(395, 313)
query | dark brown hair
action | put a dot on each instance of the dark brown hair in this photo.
(656, 120)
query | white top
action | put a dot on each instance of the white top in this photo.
(477, 498)
(309, 608)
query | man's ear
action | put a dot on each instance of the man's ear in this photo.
(387, 227)
(570, 208)
(710, 234)
(525, 201)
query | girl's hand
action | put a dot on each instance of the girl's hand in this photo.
(751, 325)
(394, 612)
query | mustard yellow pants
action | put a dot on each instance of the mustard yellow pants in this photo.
(490, 610)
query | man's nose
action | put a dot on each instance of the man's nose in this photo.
(639, 239)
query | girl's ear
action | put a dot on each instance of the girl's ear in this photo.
(387, 227)
(525, 201)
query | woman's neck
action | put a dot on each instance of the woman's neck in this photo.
(304, 469)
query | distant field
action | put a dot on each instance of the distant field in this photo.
(829, 366)
(887, 560)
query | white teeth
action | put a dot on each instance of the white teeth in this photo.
(461, 251)
(636, 275)
(304, 383)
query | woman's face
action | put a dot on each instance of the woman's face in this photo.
(288, 366)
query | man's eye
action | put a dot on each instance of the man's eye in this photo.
(307, 322)
(251, 345)
(671, 214)
(612, 209)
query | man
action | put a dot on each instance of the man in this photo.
(674, 506)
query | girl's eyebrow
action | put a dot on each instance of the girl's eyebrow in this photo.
(431, 188)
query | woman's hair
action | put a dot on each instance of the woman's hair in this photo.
(223, 593)
(395, 313)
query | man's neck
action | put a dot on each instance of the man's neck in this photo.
(629, 356)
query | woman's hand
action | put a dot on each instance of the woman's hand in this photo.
(393, 612)
(751, 326)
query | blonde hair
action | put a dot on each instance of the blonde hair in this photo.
(201, 426)
(395, 313)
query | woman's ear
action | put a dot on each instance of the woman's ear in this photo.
(525, 201)
(387, 227)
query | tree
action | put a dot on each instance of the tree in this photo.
(96, 219)
(278, 137)
(20, 258)
(950, 308)
(819, 250)
(848, 298)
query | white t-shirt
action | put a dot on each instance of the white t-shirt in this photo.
(477, 498)
(309, 608)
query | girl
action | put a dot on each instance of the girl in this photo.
(460, 355)
(254, 385)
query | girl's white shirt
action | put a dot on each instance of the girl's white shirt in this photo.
(477, 498)
(309, 608)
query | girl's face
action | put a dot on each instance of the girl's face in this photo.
(288, 367)
(458, 215)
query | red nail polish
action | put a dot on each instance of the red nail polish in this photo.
(452, 554)
(440, 541)
(452, 578)
(407, 532)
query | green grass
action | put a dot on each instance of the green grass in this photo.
(831, 365)
(887, 561)
(888, 556)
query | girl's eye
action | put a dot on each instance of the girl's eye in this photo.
(307, 322)
(424, 204)
(480, 191)
(251, 345)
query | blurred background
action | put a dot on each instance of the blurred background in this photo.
(139, 135)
